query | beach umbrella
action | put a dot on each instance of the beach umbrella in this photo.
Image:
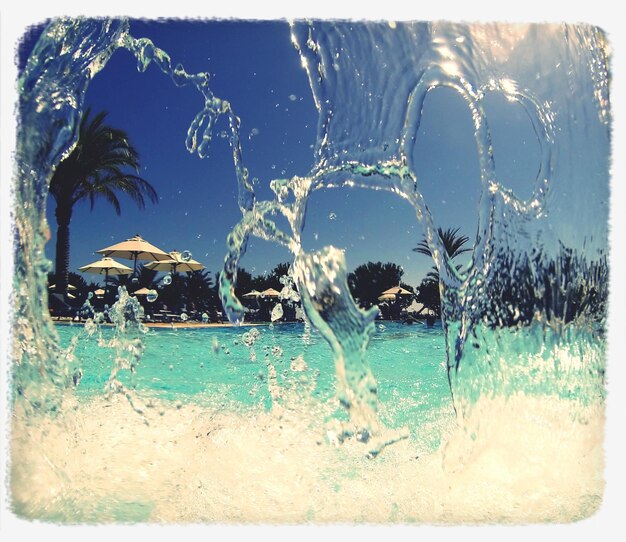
(106, 266)
(270, 292)
(387, 297)
(135, 249)
(174, 263)
(142, 291)
(396, 290)
(252, 297)
(99, 292)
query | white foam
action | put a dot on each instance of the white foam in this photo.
(533, 462)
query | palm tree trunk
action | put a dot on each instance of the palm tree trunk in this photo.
(62, 259)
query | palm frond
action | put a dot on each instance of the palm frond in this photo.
(99, 165)
(452, 242)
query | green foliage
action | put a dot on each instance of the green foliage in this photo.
(454, 245)
(368, 281)
(428, 295)
(199, 292)
(146, 278)
(79, 294)
(260, 309)
(452, 242)
(562, 289)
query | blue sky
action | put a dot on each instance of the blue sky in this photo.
(254, 66)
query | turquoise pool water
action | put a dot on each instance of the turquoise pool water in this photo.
(215, 366)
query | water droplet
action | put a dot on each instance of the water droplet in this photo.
(277, 312)
(90, 327)
(151, 296)
(184, 317)
(250, 337)
(298, 364)
(89, 295)
(293, 97)
(185, 256)
(332, 216)
(166, 280)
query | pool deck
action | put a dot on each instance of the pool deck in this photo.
(168, 325)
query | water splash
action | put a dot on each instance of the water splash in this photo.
(277, 312)
(51, 100)
(524, 270)
(376, 152)
(526, 316)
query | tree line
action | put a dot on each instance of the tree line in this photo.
(196, 293)
(104, 164)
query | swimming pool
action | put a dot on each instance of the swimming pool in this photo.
(232, 366)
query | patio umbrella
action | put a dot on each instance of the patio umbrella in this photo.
(270, 292)
(142, 291)
(387, 297)
(99, 292)
(396, 290)
(252, 293)
(175, 263)
(106, 266)
(135, 249)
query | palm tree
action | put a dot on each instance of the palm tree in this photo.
(94, 169)
(428, 293)
(453, 244)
